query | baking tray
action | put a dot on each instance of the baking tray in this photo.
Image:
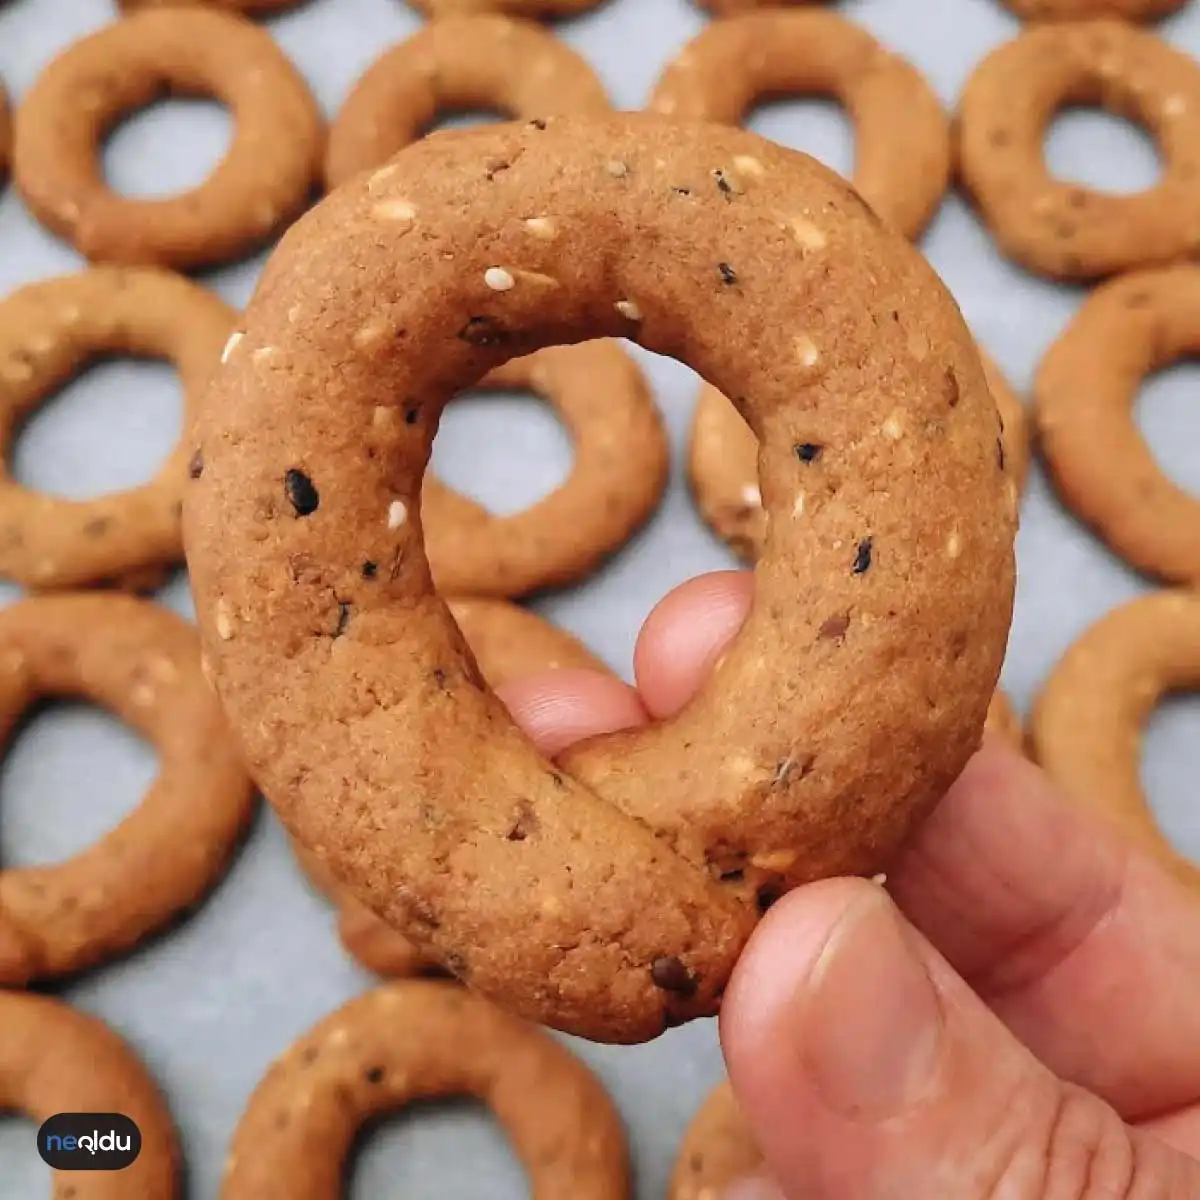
(212, 1003)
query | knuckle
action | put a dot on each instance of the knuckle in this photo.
(1069, 1145)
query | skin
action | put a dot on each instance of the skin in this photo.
(1013, 1019)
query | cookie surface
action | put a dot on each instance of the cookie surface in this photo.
(1088, 720)
(508, 642)
(142, 663)
(456, 63)
(1065, 230)
(423, 1040)
(723, 460)
(56, 1059)
(902, 133)
(718, 1149)
(49, 331)
(259, 185)
(662, 844)
(1085, 391)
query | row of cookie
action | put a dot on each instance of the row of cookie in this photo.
(1060, 230)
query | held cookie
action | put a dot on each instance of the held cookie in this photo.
(259, 186)
(1081, 10)
(1084, 395)
(508, 642)
(142, 663)
(717, 1150)
(457, 63)
(1065, 230)
(610, 894)
(56, 1059)
(902, 158)
(1087, 723)
(723, 460)
(48, 333)
(424, 1040)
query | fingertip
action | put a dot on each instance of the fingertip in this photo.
(560, 707)
(685, 635)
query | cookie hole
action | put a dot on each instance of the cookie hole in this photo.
(504, 449)
(434, 1148)
(107, 429)
(71, 774)
(1169, 419)
(167, 147)
(463, 118)
(1169, 764)
(817, 126)
(1102, 151)
(24, 1172)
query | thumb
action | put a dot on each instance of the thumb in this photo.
(868, 1070)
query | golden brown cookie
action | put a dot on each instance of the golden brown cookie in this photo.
(1065, 230)
(1082, 10)
(610, 895)
(1084, 396)
(143, 664)
(257, 188)
(507, 642)
(1087, 723)
(55, 1059)
(516, 8)
(717, 1149)
(423, 1040)
(486, 61)
(48, 333)
(723, 460)
(902, 134)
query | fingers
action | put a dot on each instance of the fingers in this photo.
(684, 636)
(559, 708)
(1066, 933)
(868, 1068)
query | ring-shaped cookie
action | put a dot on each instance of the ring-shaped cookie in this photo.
(488, 61)
(56, 1059)
(142, 663)
(1082, 10)
(717, 1149)
(533, 9)
(723, 460)
(902, 154)
(646, 857)
(48, 332)
(1065, 230)
(507, 642)
(1087, 722)
(260, 184)
(1084, 396)
(422, 1040)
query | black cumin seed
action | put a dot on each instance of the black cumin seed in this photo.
(669, 974)
(483, 331)
(370, 570)
(1000, 453)
(301, 493)
(807, 452)
(373, 1075)
(196, 465)
(343, 619)
(767, 895)
(412, 414)
(97, 527)
(723, 184)
(728, 274)
(862, 560)
(538, 123)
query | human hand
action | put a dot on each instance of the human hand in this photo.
(1019, 1018)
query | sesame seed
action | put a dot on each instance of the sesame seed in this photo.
(231, 345)
(498, 279)
(616, 168)
(749, 165)
(394, 210)
(397, 514)
(264, 354)
(224, 620)
(629, 310)
(774, 860)
(954, 545)
(806, 351)
(808, 235)
(380, 178)
(893, 427)
(752, 495)
(542, 227)
(798, 507)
